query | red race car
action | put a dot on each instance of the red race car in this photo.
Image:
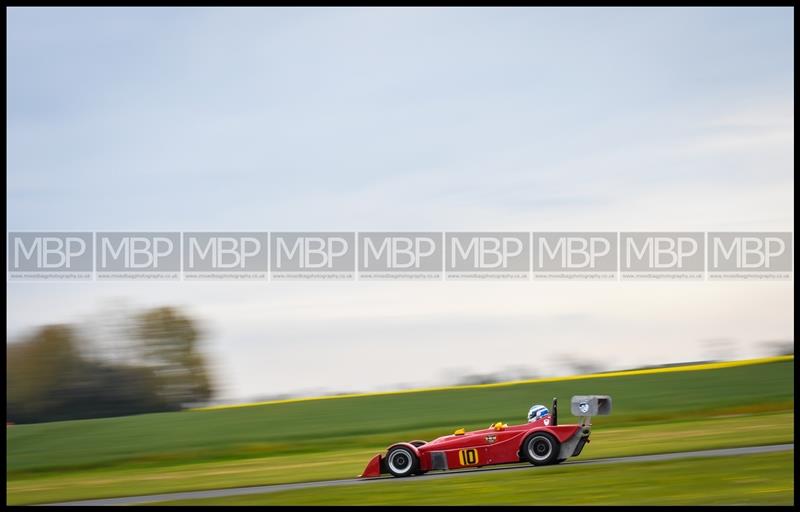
(541, 441)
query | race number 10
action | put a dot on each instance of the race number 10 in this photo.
(468, 457)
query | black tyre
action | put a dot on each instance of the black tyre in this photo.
(401, 461)
(541, 449)
(419, 443)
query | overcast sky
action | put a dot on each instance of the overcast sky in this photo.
(407, 119)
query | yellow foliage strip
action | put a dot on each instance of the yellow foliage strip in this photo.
(623, 373)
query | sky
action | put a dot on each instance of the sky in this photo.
(407, 119)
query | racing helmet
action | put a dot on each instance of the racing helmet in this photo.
(536, 412)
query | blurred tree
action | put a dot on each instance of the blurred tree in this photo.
(169, 344)
(780, 348)
(48, 378)
(37, 368)
(56, 374)
(720, 349)
(580, 365)
(479, 378)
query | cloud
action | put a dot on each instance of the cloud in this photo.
(407, 119)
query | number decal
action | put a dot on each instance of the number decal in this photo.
(468, 457)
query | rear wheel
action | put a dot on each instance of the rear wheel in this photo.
(401, 461)
(541, 449)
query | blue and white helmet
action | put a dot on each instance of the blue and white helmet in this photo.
(536, 412)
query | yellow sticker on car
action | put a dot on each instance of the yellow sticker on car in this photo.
(468, 457)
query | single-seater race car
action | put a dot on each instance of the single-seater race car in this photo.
(541, 441)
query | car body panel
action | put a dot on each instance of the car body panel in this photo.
(484, 447)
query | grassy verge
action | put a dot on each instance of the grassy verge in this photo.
(316, 440)
(607, 440)
(359, 422)
(745, 480)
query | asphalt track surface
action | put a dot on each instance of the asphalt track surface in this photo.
(263, 489)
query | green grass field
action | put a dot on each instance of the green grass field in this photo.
(746, 480)
(695, 434)
(325, 439)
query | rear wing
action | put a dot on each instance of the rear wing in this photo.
(586, 406)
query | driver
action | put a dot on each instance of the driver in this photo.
(537, 412)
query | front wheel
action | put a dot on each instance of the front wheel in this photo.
(541, 449)
(401, 461)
